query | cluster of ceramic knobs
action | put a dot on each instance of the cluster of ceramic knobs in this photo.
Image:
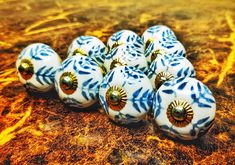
(131, 77)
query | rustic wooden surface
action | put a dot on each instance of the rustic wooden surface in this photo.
(39, 129)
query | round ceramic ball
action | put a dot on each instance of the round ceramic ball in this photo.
(126, 94)
(77, 81)
(36, 66)
(88, 46)
(184, 108)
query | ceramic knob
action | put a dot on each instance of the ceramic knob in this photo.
(157, 32)
(36, 66)
(171, 48)
(88, 46)
(184, 108)
(126, 94)
(165, 68)
(77, 81)
(125, 55)
(125, 37)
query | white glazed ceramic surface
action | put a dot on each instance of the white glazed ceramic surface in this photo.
(197, 95)
(88, 77)
(126, 54)
(139, 93)
(158, 32)
(125, 37)
(176, 66)
(44, 61)
(88, 46)
(171, 48)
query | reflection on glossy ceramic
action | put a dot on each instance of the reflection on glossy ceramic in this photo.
(126, 94)
(125, 55)
(36, 66)
(125, 37)
(165, 68)
(88, 46)
(77, 81)
(184, 108)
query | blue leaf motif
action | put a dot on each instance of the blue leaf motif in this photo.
(181, 86)
(168, 91)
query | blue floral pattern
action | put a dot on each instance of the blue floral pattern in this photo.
(91, 46)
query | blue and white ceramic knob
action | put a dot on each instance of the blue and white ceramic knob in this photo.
(171, 48)
(184, 108)
(165, 68)
(125, 37)
(77, 81)
(88, 46)
(157, 32)
(126, 94)
(36, 66)
(125, 55)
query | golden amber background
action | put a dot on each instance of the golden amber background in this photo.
(39, 129)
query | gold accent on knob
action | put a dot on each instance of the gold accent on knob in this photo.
(103, 70)
(117, 62)
(116, 98)
(180, 113)
(149, 41)
(156, 53)
(68, 83)
(26, 69)
(116, 44)
(161, 78)
(79, 51)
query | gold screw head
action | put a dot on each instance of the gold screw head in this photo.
(161, 78)
(26, 69)
(116, 98)
(116, 44)
(68, 83)
(180, 113)
(116, 63)
(149, 41)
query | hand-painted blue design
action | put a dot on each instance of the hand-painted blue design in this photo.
(39, 51)
(84, 40)
(157, 104)
(202, 91)
(142, 101)
(107, 79)
(90, 89)
(66, 63)
(104, 104)
(197, 124)
(170, 129)
(45, 75)
(86, 65)
(117, 36)
(132, 74)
